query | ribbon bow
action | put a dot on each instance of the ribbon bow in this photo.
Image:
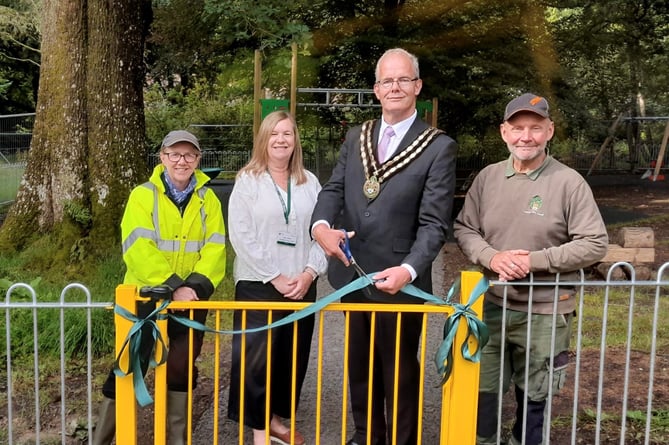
(133, 343)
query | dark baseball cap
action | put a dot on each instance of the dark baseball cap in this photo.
(527, 102)
(176, 136)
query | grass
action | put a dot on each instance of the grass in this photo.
(10, 177)
(615, 313)
(652, 220)
(105, 276)
(610, 424)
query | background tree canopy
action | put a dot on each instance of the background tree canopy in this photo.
(593, 60)
(19, 57)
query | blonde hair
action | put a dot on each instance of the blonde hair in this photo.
(260, 157)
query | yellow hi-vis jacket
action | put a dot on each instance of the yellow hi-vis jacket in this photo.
(160, 246)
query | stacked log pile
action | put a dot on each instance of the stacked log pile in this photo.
(634, 245)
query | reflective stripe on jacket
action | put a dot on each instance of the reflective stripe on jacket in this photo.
(162, 246)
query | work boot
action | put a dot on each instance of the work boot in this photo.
(177, 415)
(105, 430)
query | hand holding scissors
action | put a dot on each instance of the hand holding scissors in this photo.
(330, 241)
(346, 248)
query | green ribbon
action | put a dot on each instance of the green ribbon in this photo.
(133, 341)
(443, 358)
(476, 329)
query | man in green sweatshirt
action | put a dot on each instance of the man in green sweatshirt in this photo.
(525, 219)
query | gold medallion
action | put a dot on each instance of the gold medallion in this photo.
(371, 188)
(375, 173)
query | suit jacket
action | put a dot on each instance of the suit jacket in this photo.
(406, 223)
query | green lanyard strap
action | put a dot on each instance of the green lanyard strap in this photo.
(285, 206)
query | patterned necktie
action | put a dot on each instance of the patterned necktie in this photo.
(385, 141)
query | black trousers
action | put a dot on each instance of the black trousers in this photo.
(383, 375)
(177, 355)
(255, 376)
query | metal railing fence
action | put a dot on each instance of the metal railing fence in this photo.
(16, 131)
(57, 388)
(615, 390)
(620, 335)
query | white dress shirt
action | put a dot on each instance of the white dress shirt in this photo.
(255, 219)
(400, 130)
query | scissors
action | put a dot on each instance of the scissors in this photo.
(346, 248)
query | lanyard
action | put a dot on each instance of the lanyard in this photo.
(286, 208)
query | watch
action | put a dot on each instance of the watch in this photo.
(311, 272)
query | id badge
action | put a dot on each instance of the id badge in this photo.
(287, 238)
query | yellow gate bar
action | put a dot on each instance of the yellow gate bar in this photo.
(126, 410)
(460, 393)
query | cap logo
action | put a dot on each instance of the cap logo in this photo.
(536, 100)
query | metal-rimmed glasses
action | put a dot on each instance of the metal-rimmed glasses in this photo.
(403, 82)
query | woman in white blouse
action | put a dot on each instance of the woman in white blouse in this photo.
(268, 224)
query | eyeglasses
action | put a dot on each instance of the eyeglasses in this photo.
(403, 82)
(176, 157)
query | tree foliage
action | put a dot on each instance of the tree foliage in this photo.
(251, 24)
(592, 59)
(19, 57)
(613, 51)
(474, 55)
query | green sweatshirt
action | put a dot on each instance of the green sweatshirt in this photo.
(550, 211)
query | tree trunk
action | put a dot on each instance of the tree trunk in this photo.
(87, 150)
(116, 146)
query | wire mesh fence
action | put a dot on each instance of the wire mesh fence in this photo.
(227, 147)
(15, 137)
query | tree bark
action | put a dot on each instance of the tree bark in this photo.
(87, 150)
(116, 148)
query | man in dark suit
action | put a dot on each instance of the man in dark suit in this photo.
(397, 205)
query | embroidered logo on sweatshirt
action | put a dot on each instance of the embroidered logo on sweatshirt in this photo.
(534, 206)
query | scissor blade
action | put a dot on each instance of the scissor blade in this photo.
(361, 272)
